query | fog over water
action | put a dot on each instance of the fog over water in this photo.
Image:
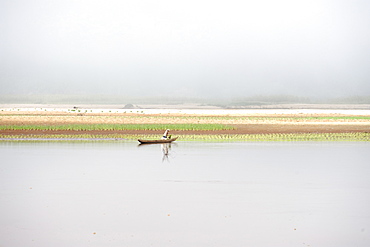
(193, 48)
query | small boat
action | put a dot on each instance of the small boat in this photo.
(157, 141)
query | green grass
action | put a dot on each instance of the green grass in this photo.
(287, 117)
(207, 138)
(332, 118)
(280, 137)
(263, 117)
(86, 127)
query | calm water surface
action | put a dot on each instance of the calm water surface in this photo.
(188, 194)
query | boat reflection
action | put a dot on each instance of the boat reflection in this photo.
(166, 149)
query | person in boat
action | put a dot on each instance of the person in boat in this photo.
(165, 135)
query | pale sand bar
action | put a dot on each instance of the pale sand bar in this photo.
(363, 110)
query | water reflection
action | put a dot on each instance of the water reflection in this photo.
(166, 149)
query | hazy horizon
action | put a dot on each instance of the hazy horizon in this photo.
(225, 49)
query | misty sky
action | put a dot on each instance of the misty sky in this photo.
(195, 48)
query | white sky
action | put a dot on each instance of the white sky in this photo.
(211, 48)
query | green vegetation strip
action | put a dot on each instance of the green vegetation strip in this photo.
(82, 127)
(281, 117)
(280, 137)
(206, 138)
(208, 118)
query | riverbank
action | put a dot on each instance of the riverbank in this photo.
(238, 124)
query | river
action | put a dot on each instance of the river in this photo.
(118, 193)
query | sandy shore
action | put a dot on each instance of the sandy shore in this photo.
(189, 106)
(188, 109)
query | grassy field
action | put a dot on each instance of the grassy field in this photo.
(273, 127)
(109, 127)
(207, 138)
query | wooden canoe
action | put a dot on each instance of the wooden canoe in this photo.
(157, 141)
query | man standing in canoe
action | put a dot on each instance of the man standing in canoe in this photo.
(165, 135)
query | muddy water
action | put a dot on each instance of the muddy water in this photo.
(186, 194)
